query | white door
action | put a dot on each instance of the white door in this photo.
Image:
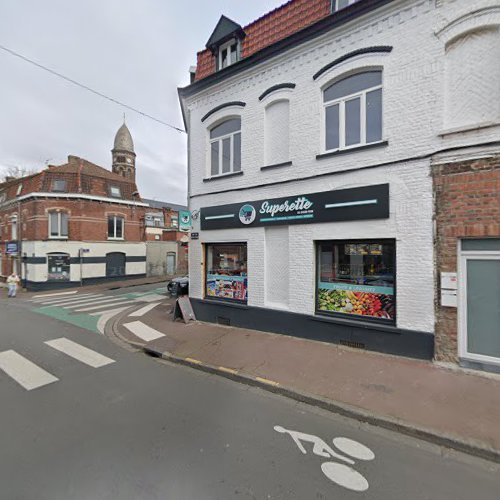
(171, 263)
(479, 301)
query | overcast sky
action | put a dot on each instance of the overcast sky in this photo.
(136, 51)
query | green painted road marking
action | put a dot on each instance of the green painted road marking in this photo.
(82, 320)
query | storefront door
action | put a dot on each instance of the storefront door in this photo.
(479, 305)
(115, 264)
(171, 263)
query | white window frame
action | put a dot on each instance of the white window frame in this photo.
(59, 236)
(231, 150)
(464, 256)
(19, 189)
(13, 228)
(228, 45)
(341, 102)
(115, 217)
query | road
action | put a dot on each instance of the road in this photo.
(83, 418)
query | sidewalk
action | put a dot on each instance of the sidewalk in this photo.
(449, 406)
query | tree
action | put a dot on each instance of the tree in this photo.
(13, 172)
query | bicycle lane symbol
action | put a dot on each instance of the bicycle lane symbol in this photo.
(339, 473)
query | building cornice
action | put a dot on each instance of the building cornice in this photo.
(73, 196)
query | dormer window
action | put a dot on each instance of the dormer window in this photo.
(229, 53)
(59, 185)
(225, 42)
(341, 4)
(115, 192)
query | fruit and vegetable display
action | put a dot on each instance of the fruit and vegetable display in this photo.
(375, 305)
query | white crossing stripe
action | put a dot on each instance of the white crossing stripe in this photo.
(69, 300)
(23, 371)
(151, 298)
(143, 310)
(103, 306)
(105, 316)
(89, 302)
(144, 332)
(53, 294)
(77, 351)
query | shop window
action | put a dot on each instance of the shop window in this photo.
(225, 147)
(353, 111)
(276, 125)
(58, 225)
(357, 279)
(58, 267)
(226, 271)
(115, 227)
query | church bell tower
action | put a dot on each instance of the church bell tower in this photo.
(123, 154)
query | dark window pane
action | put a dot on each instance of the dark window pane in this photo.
(332, 127)
(54, 224)
(232, 125)
(352, 84)
(119, 227)
(226, 155)
(224, 58)
(64, 224)
(352, 122)
(234, 53)
(215, 158)
(111, 227)
(374, 116)
(237, 152)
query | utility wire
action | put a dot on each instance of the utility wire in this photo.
(100, 94)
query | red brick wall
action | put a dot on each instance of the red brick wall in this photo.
(467, 205)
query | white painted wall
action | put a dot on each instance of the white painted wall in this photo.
(39, 272)
(414, 97)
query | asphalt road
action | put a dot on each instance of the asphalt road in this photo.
(131, 427)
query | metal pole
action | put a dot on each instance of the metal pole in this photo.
(80, 253)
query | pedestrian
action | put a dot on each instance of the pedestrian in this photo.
(12, 282)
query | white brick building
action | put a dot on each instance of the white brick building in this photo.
(307, 111)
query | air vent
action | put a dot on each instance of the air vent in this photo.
(223, 321)
(355, 345)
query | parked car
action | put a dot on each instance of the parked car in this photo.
(178, 286)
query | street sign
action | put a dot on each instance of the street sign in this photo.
(195, 236)
(11, 248)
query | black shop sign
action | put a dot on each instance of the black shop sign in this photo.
(368, 202)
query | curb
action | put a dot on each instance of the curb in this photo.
(448, 441)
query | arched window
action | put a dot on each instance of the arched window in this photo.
(225, 147)
(353, 111)
(276, 139)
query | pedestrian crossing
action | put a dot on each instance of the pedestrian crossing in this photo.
(31, 376)
(92, 310)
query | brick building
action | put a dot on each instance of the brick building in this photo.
(76, 223)
(315, 135)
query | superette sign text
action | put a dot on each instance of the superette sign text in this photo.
(368, 202)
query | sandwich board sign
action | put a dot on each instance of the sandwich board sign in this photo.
(184, 309)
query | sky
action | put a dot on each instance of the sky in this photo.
(135, 51)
